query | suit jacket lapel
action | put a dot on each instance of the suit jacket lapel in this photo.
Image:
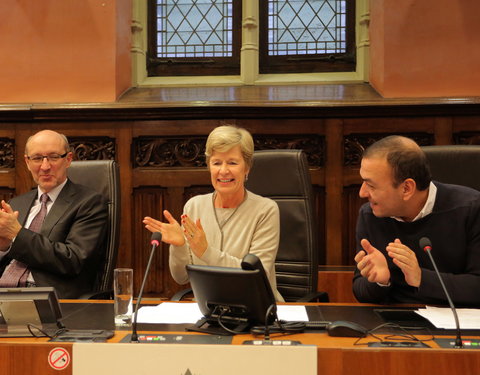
(23, 206)
(62, 203)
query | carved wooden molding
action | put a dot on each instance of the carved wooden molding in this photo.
(7, 153)
(312, 144)
(92, 148)
(355, 144)
(169, 152)
(466, 138)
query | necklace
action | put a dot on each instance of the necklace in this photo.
(225, 221)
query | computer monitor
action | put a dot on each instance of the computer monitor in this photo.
(234, 297)
(20, 307)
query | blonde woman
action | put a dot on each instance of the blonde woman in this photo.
(220, 228)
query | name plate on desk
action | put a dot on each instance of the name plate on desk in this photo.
(127, 359)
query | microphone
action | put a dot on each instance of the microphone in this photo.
(154, 241)
(426, 245)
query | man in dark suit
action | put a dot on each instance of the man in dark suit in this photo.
(64, 249)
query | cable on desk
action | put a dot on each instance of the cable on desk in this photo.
(405, 336)
(277, 327)
(285, 327)
(223, 311)
(31, 327)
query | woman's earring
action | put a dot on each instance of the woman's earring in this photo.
(246, 177)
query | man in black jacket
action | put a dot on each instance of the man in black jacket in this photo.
(404, 206)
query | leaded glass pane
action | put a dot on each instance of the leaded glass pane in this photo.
(298, 27)
(194, 28)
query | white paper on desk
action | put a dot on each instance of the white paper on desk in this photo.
(442, 317)
(189, 313)
(170, 313)
(292, 313)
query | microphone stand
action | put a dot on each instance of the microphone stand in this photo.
(427, 248)
(155, 241)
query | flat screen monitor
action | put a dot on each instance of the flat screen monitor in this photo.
(20, 307)
(232, 295)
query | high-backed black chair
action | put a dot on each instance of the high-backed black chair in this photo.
(102, 176)
(283, 176)
(455, 164)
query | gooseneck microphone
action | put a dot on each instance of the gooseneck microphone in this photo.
(426, 245)
(154, 241)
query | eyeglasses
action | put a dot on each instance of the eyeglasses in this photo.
(52, 158)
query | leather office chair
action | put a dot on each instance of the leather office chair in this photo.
(455, 164)
(102, 176)
(283, 175)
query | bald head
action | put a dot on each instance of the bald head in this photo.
(405, 157)
(47, 135)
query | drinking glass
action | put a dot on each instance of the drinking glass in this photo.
(123, 292)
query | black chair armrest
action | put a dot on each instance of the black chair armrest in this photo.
(181, 294)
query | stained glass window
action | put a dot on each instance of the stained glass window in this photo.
(299, 27)
(307, 36)
(194, 28)
(194, 37)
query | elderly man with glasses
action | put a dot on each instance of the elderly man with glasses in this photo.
(54, 234)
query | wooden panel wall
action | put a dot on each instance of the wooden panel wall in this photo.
(161, 161)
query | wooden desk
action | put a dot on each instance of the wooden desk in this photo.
(335, 355)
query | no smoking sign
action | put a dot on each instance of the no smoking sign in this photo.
(59, 358)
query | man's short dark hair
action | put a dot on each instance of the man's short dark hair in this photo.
(405, 157)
